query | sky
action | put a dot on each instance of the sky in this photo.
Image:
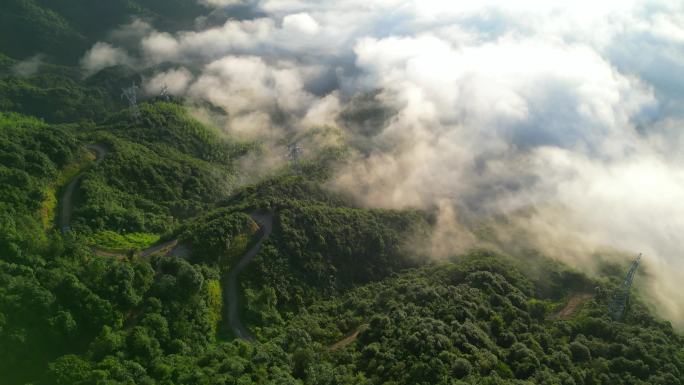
(564, 115)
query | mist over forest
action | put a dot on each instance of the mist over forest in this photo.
(341, 192)
(580, 125)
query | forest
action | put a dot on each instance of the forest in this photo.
(335, 295)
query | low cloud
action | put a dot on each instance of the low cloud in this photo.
(570, 114)
(211, 44)
(258, 97)
(222, 3)
(301, 23)
(103, 55)
(131, 33)
(176, 82)
(28, 67)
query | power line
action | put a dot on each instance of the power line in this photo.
(294, 152)
(131, 94)
(164, 94)
(618, 306)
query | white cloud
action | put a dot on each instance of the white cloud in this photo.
(634, 204)
(104, 55)
(498, 105)
(132, 32)
(222, 3)
(546, 93)
(160, 46)
(29, 66)
(323, 112)
(301, 22)
(176, 80)
(249, 86)
(209, 44)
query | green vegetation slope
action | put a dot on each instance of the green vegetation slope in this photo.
(336, 294)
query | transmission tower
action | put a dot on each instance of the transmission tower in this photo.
(131, 94)
(164, 94)
(621, 298)
(294, 152)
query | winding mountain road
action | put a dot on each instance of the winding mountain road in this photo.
(265, 221)
(230, 284)
(67, 208)
(67, 201)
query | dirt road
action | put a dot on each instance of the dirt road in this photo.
(265, 222)
(167, 248)
(574, 304)
(67, 208)
(67, 201)
(348, 339)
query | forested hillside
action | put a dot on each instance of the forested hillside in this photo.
(65, 29)
(118, 235)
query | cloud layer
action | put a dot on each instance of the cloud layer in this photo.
(572, 110)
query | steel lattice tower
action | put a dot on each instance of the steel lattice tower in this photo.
(294, 152)
(131, 94)
(164, 94)
(618, 306)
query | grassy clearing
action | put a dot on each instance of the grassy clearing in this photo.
(238, 246)
(113, 241)
(214, 303)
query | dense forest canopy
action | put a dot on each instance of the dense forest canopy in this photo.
(163, 209)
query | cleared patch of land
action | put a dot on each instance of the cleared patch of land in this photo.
(573, 306)
(348, 339)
